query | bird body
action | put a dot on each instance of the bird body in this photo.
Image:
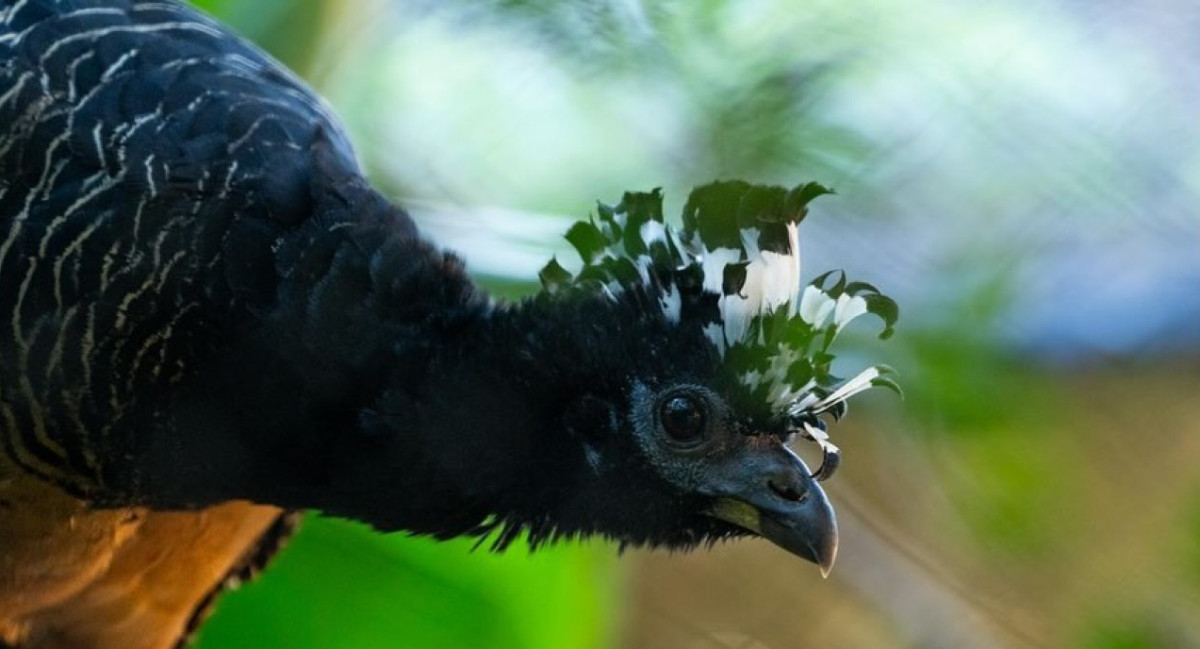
(136, 141)
(209, 319)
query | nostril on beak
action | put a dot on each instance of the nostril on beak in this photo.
(788, 490)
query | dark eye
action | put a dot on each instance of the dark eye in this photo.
(683, 418)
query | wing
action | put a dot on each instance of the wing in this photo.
(149, 159)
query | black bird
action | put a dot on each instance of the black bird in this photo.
(209, 319)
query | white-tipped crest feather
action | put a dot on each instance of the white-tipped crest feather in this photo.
(739, 251)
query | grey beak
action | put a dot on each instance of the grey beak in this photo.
(778, 499)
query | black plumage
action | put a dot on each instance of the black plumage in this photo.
(202, 300)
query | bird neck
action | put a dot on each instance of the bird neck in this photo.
(464, 433)
(409, 398)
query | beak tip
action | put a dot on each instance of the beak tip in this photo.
(826, 560)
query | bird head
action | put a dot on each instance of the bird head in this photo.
(702, 358)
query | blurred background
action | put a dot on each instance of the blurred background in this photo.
(1023, 176)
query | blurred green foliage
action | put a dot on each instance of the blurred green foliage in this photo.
(285, 28)
(339, 584)
(1128, 632)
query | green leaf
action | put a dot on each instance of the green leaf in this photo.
(761, 204)
(859, 287)
(711, 212)
(887, 310)
(889, 383)
(554, 276)
(797, 200)
(644, 206)
(800, 372)
(838, 288)
(607, 213)
(587, 240)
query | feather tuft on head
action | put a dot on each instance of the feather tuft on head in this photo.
(734, 270)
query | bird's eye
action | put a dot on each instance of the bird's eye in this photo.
(683, 418)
